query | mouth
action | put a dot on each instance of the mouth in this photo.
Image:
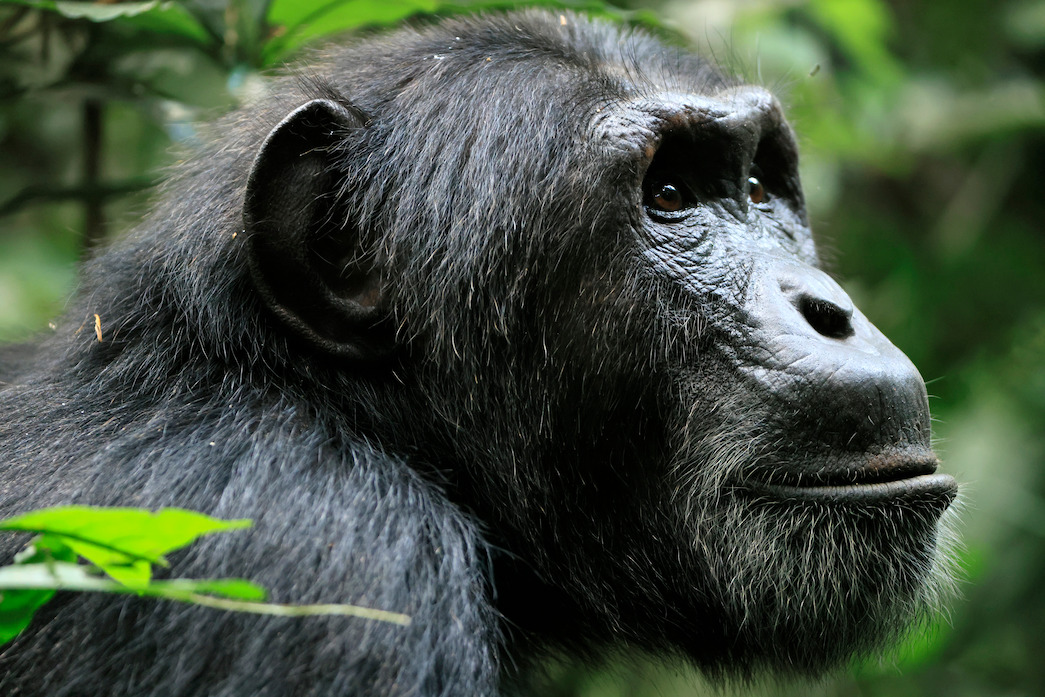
(882, 479)
(940, 488)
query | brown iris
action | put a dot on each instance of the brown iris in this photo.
(755, 190)
(666, 197)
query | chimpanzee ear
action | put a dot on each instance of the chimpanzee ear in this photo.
(305, 258)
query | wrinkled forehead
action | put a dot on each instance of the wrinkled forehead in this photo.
(638, 90)
(639, 123)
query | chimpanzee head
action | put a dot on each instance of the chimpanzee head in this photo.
(567, 272)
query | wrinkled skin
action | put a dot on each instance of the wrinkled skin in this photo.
(513, 324)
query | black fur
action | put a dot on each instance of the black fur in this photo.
(507, 417)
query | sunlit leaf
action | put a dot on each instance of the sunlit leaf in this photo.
(103, 12)
(170, 18)
(298, 23)
(108, 536)
(160, 16)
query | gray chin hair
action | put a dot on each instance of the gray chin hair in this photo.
(805, 587)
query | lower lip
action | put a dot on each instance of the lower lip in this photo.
(927, 487)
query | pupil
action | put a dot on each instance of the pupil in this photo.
(668, 198)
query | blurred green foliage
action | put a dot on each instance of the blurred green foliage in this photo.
(923, 149)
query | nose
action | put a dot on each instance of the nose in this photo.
(821, 302)
(827, 369)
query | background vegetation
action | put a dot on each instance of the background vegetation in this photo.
(922, 128)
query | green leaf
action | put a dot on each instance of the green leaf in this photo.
(862, 29)
(232, 588)
(39, 4)
(292, 14)
(55, 576)
(24, 588)
(41, 550)
(300, 21)
(17, 608)
(163, 17)
(171, 19)
(128, 570)
(97, 12)
(120, 541)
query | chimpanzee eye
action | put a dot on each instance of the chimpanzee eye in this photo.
(755, 190)
(666, 197)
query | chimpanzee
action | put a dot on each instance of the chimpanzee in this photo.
(513, 324)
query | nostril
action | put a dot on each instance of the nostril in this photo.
(825, 317)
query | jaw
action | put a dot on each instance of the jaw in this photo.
(809, 578)
(801, 588)
(801, 568)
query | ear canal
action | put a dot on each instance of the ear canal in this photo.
(305, 260)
